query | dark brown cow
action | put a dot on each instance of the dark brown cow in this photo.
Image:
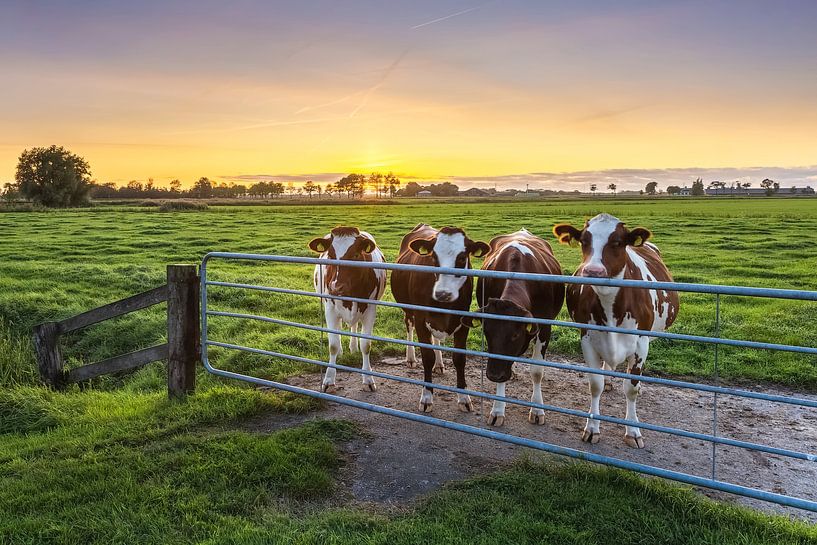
(448, 247)
(610, 250)
(351, 244)
(527, 253)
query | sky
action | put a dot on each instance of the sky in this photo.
(553, 94)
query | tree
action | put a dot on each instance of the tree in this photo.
(376, 182)
(310, 188)
(53, 177)
(203, 188)
(411, 189)
(276, 189)
(291, 188)
(593, 188)
(330, 188)
(392, 182)
(673, 190)
(612, 187)
(770, 186)
(175, 186)
(651, 188)
(10, 192)
(698, 187)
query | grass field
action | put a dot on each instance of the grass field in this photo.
(117, 463)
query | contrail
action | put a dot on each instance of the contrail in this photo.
(439, 19)
(377, 85)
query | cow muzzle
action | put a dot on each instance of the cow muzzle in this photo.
(499, 370)
(594, 271)
(444, 296)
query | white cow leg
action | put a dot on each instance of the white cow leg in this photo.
(353, 341)
(366, 327)
(592, 433)
(439, 368)
(608, 381)
(497, 416)
(411, 357)
(632, 389)
(335, 350)
(537, 416)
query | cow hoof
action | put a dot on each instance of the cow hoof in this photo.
(465, 406)
(634, 442)
(411, 364)
(608, 386)
(330, 389)
(371, 387)
(496, 420)
(438, 369)
(590, 437)
(537, 419)
(425, 407)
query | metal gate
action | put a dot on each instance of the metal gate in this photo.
(714, 438)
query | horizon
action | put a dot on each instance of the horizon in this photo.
(556, 96)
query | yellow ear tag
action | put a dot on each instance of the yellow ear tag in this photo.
(638, 241)
(529, 327)
(423, 250)
(321, 247)
(573, 242)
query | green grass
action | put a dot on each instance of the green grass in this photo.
(118, 463)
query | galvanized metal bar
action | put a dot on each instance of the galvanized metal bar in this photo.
(686, 478)
(544, 363)
(801, 295)
(561, 323)
(530, 404)
(715, 395)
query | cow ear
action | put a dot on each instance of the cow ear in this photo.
(532, 329)
(567, 234)
(320, 245)
(470, 322)
(638, 236)
(478, 249)
(367, 245)
(422, 246)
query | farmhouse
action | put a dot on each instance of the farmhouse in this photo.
(424, 193)
(474, 192)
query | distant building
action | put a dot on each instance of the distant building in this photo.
(474, 192)
(424, 193)
(758, 191)
(685, 192)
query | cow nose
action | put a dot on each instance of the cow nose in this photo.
(443, 296)
(594, 272)
(498, 370)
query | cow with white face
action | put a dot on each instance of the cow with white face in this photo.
(448, 247)
(610, 250)
(349, 243)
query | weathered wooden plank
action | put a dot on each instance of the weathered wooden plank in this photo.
(112, 310)
(183, 329)
(118, 363)
(49, 355)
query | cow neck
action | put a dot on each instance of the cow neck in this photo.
(607, 297)
(517, 292)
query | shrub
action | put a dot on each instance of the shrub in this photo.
(180, 206)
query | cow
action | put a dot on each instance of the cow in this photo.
(349, 243)
(517, 252)
(611, 250)
(447, 247)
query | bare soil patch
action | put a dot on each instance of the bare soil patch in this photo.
(398, 460)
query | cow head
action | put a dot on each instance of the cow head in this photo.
(343, 243)
(450, 247)
(504, 337)
(604, 242)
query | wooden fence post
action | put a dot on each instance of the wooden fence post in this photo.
(183, 329)
(49, 355)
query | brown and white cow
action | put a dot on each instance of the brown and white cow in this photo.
(610, 250)
(518, 252)
(349, 243)
(448, 247)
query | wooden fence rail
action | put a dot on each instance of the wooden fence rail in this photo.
(182, 349)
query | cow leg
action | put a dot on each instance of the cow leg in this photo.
(632, 388)
(537, 416)
(333, 321)
(353, 341)
(591, 433)
(463, 400)
(608, 381)
(366, 327)
(427, 355)
(497, 416)
(439, 368)
(411, 358)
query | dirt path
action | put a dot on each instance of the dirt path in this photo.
(400, 460)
